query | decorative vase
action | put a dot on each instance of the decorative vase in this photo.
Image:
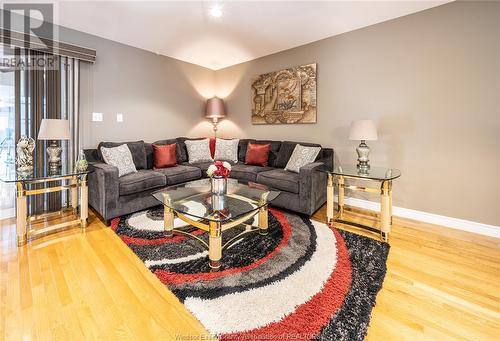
(81, 163)
(218, 202)
(219, 185)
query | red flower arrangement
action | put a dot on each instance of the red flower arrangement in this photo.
(219, 169)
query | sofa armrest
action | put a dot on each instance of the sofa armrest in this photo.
(103, 188)
(312, 186)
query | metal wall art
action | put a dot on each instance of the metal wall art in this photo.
(285, 97)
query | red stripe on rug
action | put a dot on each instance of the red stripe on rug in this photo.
(309, 318)
(114, 223)
(167, 277)
(142, 241)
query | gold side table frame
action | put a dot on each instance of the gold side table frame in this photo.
(385, 191)
(76, 184)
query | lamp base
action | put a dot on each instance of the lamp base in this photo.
(363, 151)
(54, 154)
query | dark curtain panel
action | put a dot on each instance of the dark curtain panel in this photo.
(47, 92)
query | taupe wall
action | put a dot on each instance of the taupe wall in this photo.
(430, 80)
(160, 97)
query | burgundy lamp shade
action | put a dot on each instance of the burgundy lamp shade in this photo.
(215, 108)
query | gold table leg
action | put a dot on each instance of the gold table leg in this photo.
(329, 200)
(84, 208)
(21, 212)
(341, 190)
(74, 194)
(168, 221)
(386, 209)
(215, 245)
(263, 220)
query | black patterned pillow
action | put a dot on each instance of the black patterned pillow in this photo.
(198, 151)
(226, 150)
(301, 156)
(120, 157)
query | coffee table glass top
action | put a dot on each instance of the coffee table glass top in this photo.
(374, 173)
(39, 173)
(195, 199)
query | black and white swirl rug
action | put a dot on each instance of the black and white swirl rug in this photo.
(304, 280)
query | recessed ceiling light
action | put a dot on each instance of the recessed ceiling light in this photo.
(216, 12)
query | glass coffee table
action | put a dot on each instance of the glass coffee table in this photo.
(384, 176)
(193, 203)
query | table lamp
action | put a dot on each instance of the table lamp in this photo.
(215, 111)
(53, 130)
(363, 130)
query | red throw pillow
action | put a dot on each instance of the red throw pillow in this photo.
(257, 154)
(211, 144)
(164, 155)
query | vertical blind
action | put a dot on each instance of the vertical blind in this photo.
(50, 90)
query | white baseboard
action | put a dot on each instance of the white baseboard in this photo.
(431, 218)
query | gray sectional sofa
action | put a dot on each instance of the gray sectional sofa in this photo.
(112, 196)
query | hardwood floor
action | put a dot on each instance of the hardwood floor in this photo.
(89, 285)
(441, 284)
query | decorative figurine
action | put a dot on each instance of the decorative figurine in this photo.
(24, 155)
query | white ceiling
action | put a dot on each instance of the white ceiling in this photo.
(247, 29)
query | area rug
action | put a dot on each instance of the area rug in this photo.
(304, 280)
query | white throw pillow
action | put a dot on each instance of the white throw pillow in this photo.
(120, 157)
(226, 150)
(198, 151)
(301, 156)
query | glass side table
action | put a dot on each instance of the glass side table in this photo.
(337, 177)
(27, 185)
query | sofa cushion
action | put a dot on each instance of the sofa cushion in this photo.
(286, 151)
(302, 156)
(203, 166)
(182, 155)
(148, 148)
(258, 154)
(180, 173)
(280, 179)
(120, 157)
(226, 150)
(242, 149)
(141, 181)
(92, 156)
(211, 144)
(198, 150)
(247, 172)
(275, 147)
(136, 149)
(164, 155)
